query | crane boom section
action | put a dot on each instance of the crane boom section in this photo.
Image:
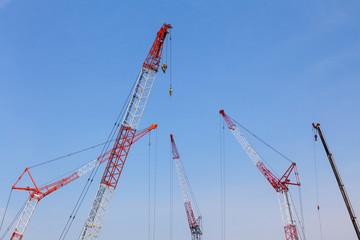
(36, 194)
(125, 137)
(279, 184)
(339, 181)
(194, 223)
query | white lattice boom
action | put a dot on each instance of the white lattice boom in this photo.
(194, 223)
(279, 184)
(125, 137)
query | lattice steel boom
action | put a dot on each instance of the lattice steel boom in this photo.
(38, 193)
(124, 138)
(339, 181)
(194, 223)
(279, 184)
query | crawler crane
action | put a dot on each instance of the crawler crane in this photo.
(194, 223)
(123, 142)
(279, 184)
(38, 193)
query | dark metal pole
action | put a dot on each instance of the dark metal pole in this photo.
(340, 183)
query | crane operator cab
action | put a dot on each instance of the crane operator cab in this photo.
(164, 67)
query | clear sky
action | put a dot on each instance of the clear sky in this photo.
(66, 68)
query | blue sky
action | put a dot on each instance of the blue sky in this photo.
(66, 69)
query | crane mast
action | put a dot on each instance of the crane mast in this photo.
(124, 138)
(194, 224)
(36, 194)
(339, 181)
(279, 184)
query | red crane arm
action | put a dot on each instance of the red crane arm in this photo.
(152, 60)
(276, 183)
(175, 152)
(52, 187)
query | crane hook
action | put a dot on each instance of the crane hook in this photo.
(170, 91)
(164, 67)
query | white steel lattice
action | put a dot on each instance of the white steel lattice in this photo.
(25, 217)
(182, 181)
(286, 207)
(131, 119)
(139, 98)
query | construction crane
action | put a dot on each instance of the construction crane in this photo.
(38, 193)
(338, 179)
(194, 223)
(279, 184)
(123, 142)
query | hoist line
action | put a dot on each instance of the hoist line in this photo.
(191, 191)
(93, 173)
(297, 217)
(170, 62)
(68, 155)
(6, 208)
(155, 182)
(301, 210)
(222, 175)
(171, 194)
(317, 188)
(149, 186)
(258, 138)
(13, 221)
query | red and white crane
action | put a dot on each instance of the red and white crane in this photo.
(38, 193)
(279, 184)
(123, 142)
(194, 223)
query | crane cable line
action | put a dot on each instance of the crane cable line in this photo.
(6, 208)
(222, 177)
(155, 182)
(258, 138)
(171, 196)
(317, 186)
(152, 208)
(70, 154)
(13, 221)
(149, 186)
(93, 173)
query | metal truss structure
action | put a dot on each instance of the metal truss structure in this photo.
(194, 223)
(279, 184)
(125, 137)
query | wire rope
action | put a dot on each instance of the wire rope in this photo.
(258, 138)
(87, 185)
(68, 155)
(317, 188)
(13, 221)
(6, 208)
(149, 187)
(222, 176)
(155, 182)
(171, 165)
(170, 62)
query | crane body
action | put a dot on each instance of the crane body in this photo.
(36, 194)
(279, 184)
(124, 138)
(194, 223)
(339, 181)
